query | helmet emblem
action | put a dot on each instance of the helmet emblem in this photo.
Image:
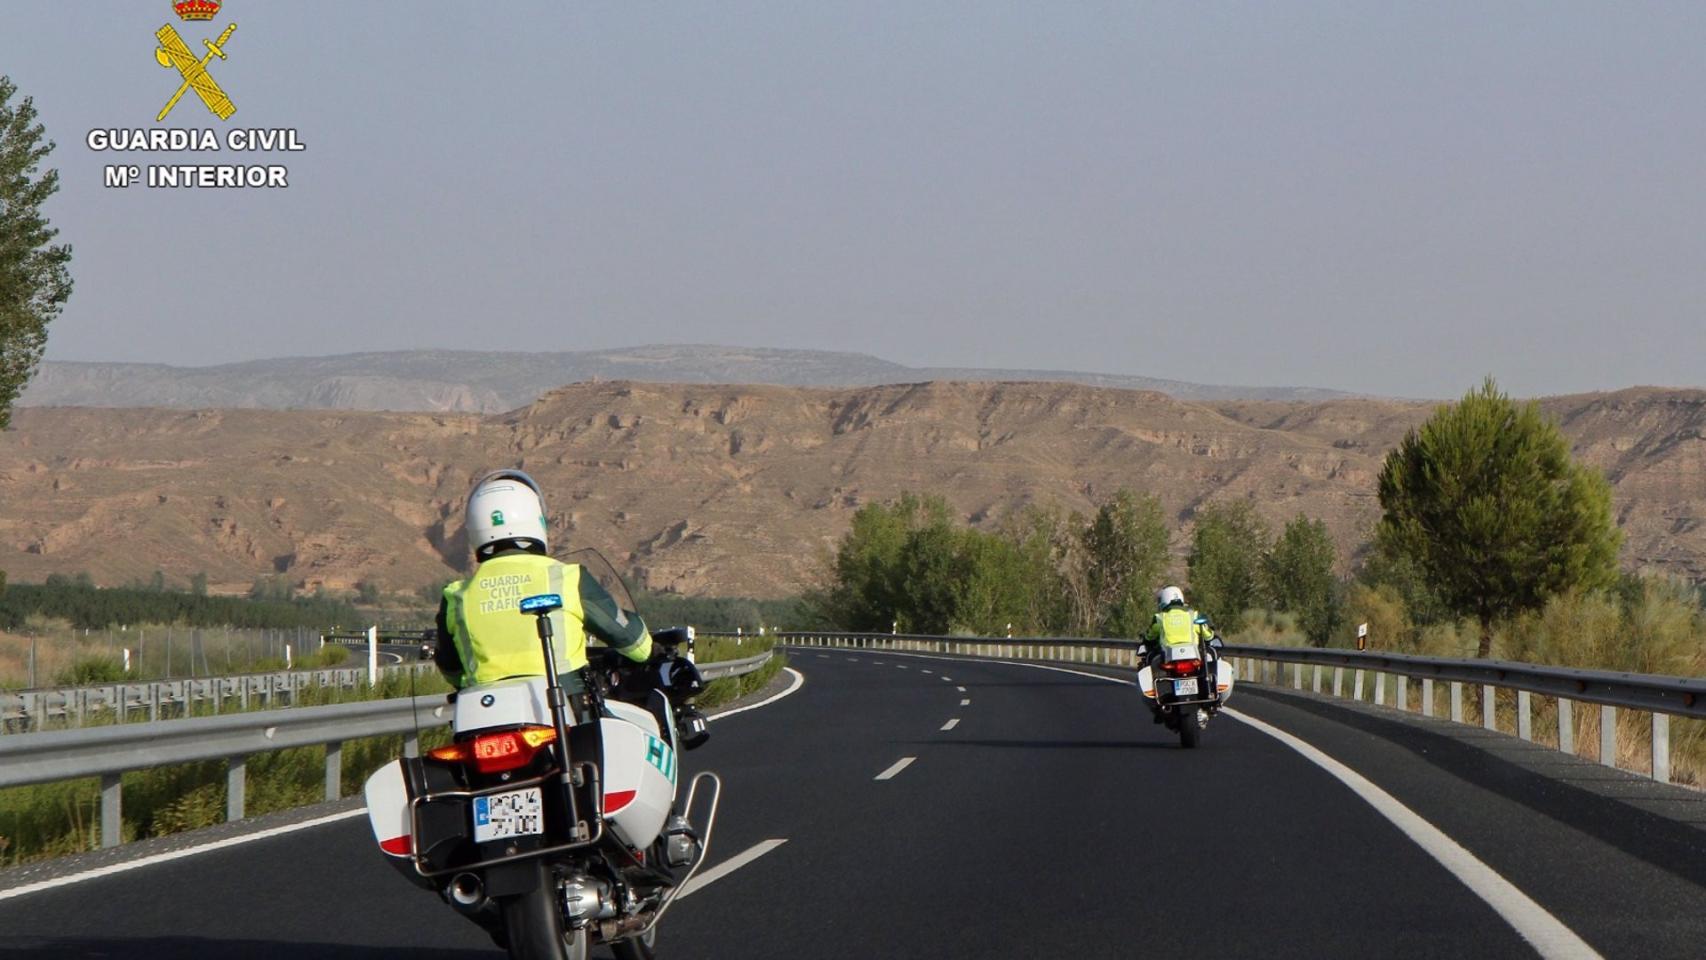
(497, 518)
(488, 700)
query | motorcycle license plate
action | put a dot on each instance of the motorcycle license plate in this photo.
(1184, 688)
(518, 813)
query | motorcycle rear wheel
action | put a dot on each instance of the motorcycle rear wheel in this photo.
(1190, 731)
(533, 923)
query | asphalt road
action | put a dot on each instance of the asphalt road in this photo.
(1041, 814)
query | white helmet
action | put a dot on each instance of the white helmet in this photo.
(1169, 596)
(505, 508)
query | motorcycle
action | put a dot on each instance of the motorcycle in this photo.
(1193, 684)
(550, 819)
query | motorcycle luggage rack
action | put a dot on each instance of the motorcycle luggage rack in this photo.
(594, 832)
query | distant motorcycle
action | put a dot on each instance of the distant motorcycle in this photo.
(549, 820)
(1194, 683)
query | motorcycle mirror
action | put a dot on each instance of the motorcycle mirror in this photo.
(1215, 642)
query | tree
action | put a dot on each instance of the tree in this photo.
(34, 279)
(1486, 501)
(1225, 565)
(1125, 553)
(1300, 580)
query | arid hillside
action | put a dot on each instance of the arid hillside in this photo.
(734, 489)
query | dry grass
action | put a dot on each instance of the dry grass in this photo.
(60, 649)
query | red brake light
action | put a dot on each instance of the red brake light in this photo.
(1182, 667)
(497, 752)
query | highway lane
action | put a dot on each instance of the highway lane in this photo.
(1050, 819)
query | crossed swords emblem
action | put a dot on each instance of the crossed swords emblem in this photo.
(173, 52)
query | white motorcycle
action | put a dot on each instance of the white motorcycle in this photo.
(550, 818)
(1194, 683)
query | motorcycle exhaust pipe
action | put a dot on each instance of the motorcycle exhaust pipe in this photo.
(467, 892)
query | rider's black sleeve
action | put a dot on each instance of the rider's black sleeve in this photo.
(445, 654)
(622, 629)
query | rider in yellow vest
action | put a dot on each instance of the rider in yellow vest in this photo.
(482, 636)
(1174, 624)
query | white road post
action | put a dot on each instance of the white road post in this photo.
(373, 656)
(126, 659)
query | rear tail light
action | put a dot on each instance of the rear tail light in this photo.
(1181, 668)
(497, 752)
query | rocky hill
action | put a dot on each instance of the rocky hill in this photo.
(447, 381)
(734, 489)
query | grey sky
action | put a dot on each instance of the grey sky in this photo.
(1377, 197)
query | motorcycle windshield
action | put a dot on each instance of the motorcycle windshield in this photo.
(593, 564)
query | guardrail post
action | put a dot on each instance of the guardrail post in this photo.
(1427, 696)
(235, 781)
(1297, 676)
(1456, 702)
(1403, 692)
(1566, 727)
(1356, 685)
(1661, 747)
(1338, 680)
(112, 809)
(1608, 736)
(334, 771)
(412, 745)
(1489, 707)
(1380, 689)
(1315, 685)
(1524, 722)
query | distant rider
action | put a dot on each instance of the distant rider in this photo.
(1174, 624)
(482, 637)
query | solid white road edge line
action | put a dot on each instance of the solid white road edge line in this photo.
(895, 770)
(727, 867)
(799, 681)
(140, 862)
(951, 724)
(171, 855)
(1546, 933)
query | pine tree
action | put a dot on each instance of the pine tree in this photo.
(34, 279)
(1485, 500)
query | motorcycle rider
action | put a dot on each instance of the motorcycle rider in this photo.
(481, 637)
(1174, 624)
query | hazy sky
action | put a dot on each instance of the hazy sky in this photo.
(1369, 196)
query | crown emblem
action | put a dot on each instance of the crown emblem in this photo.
(196, 9)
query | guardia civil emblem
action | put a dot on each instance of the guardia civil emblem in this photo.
(174, 53)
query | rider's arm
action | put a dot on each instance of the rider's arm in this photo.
(445, 654)
(622, 630)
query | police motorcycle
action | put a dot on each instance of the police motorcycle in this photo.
(550, 819)
(1186, 684)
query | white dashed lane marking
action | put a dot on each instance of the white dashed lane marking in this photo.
(895, 770)
(951, 724)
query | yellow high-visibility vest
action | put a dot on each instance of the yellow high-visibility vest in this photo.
(495, 639)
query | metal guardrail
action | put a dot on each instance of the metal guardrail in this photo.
(1660, 696)
(33, 710)
(111, 751)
